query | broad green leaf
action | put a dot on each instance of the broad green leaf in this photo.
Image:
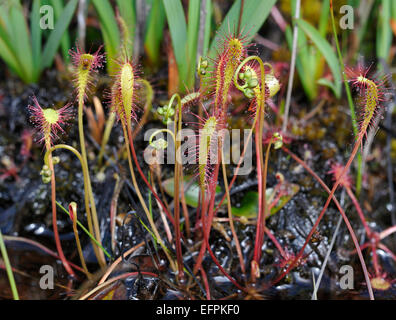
(191, 194)
(326, 50)
(249, 204)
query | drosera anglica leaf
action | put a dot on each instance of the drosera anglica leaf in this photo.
(191, 190)
(248, 207)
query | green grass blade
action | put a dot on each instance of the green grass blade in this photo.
(255, 12)
(9, 58)
(110, 32)
(54, 39)
(208, 27)
(85, 230)
(393, 11)
(154, 32)
(303, 64)
(326, 50)
(7, 52)
(8, 267)
(192, 40)
(365, 19)
(324, 18)
(21, 41)
(128, 14)
(4, 16)
(36, 36)
(178, 30)
(327, 83)
(65, 42)
(384, 32)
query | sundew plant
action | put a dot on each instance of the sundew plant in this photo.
(197, 150)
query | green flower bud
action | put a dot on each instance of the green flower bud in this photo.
(249, 93)
(159, 144)
(248, 74)
(252, 83)
(204, 63)
(46, 179)
(278, 140)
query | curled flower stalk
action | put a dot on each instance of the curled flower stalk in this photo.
(48, 123)
(85, 64)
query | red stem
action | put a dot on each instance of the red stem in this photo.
(257, 247)
(208, 219)
(145, 180)
(370, 234)
(387, 232)
(42, 247)
(359, 210)
(375, 259)
(331, 197)
(207, 227)
(206, 283)
(179, 253)
(54, 222)
(276, 243)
